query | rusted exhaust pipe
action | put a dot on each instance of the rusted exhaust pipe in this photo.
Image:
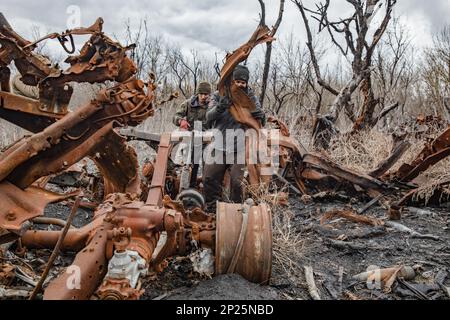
(75, 239)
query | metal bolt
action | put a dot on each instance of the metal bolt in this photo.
(10, 216)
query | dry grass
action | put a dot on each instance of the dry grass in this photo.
(288, 246)
(434, 178)
(361, 152)
(260, 193)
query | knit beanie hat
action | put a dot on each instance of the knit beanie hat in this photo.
(204, 88)
(241, 73)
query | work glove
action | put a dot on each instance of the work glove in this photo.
(224, 104)
(184, 124)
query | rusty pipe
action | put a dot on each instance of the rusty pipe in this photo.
(75, 240)
(54, 221)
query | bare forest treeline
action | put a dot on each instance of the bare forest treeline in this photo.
(406, 81)
(306, 76)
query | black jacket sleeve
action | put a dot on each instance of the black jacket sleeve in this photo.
(258, 114)
(217, 107)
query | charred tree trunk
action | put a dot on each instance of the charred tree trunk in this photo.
(366, 118)
(269, 48)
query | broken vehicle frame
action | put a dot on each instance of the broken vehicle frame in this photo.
(118, 246)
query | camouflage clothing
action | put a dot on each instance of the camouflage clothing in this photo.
(192, 111)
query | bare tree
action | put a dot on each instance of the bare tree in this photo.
(395, 71)
(178, 73)
(148, 54)
(269, 46)
(351, 37)
(288, 76)
(187, 70)
(436, 72)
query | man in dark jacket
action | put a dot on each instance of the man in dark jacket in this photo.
(219, 117)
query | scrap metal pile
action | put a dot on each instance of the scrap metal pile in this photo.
(141, 219)
(119, 245)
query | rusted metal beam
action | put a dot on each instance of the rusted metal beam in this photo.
(156, 192)
(18, 206)
(75, 240)
(27, 105)
(429, 156)
(362, 180)
(117, 163)
(75, 136)
(82, 278)
(397, 153)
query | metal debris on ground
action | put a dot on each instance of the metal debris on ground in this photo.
(141, 218)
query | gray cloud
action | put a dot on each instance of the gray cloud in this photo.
(436, 12)
(208, 26)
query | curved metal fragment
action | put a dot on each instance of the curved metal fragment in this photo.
(254, 260)
(429, 156)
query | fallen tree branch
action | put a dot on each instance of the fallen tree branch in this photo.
(356, 234)
(352, 216)
(346, 245)
(362, 180)
(343, 245)
(402, 228)
(388, 109)
(397, 153)
(312, 288)
(370, 204)
(418, 211)
(13, 293)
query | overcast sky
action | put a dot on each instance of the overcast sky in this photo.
(206, 25)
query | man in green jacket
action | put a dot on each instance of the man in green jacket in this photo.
(190, 111)
(194, 108)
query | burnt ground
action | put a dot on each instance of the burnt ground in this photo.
(337, 249)
(344, 247)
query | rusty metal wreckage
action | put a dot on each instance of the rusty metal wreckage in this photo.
(119, 245)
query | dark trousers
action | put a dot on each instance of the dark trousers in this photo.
(194, 173)
(213, 175)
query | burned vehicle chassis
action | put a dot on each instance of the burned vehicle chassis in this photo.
(124, 241)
